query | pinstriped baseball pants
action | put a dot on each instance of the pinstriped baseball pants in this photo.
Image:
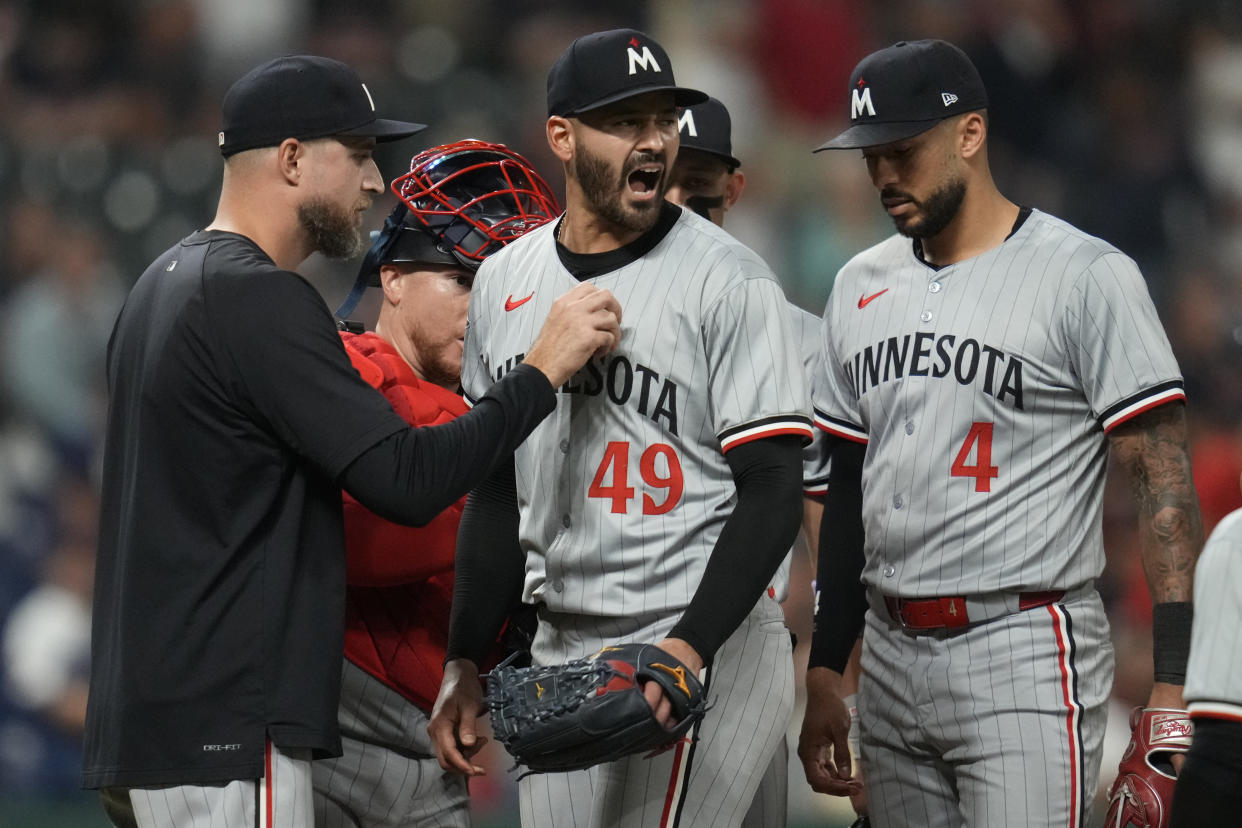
(388, 775)
(997, 725)
(281, 799)
(708, 785)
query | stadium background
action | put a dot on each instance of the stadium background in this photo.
(1123, 116)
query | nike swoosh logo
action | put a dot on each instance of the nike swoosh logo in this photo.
(511, 305)
(863, 301)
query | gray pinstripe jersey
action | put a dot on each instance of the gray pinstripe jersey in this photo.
(1214, 673)
(815, 458)
(623, 490)
(815, 461)
(983, 391)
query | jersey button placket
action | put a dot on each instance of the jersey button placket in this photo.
(933, 288)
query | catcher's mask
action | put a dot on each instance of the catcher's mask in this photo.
(460, 203)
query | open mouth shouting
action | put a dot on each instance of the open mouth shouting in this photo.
(643, 181)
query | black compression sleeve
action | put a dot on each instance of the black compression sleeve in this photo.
(841, 598)
(752, 543)
(1209, 786)
(489, 567)
(413, 475)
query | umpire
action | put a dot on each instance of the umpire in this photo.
(235, 419)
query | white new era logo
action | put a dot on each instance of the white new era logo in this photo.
(949, 98)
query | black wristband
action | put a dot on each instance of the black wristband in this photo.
(1170, 640)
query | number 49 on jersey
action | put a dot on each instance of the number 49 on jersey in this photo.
(658, 468)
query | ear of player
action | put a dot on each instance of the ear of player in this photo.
(585, 712)
(1143, 792)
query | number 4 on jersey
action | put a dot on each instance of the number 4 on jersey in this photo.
(616, 465)
(979, 441)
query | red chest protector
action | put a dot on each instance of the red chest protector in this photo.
(400, 577)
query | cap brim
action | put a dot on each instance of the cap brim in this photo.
(681, 97)
(382, 129)
(723, 156)
(872, 135)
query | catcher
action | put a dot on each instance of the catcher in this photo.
(459, 203)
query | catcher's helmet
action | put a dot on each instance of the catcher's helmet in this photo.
(459, 204)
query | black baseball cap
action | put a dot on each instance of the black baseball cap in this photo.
(304, 97)
(706, 127)
(606, 67)
(906, 89)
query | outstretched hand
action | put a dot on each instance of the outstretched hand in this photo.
(454, 718)
(823, 745)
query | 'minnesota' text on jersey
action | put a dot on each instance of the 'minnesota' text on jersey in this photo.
(1054, 338)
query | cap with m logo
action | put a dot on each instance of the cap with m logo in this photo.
(706, 127)
(606, 67)
(905, 90)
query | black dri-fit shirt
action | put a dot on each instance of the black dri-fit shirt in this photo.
(220, 575)
(219, 595)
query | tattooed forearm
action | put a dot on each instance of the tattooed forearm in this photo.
(1153, 449)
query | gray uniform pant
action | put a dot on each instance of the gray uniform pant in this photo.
(388, 775)
(995, 725)
(710, 784)
(281, 799)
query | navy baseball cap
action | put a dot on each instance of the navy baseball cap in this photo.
(304, 97)
(606, 67)
(905, 90)
(706, 127)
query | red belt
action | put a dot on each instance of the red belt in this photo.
(948, 613)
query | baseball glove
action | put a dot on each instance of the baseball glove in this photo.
(1143, 792)
(571, 716)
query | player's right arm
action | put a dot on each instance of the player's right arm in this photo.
(840, 604)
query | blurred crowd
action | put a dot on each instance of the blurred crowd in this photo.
(1123, 117)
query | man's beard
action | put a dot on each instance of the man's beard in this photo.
(440, 369)
(333, 232)
(938, 211)
(604, 193)
(439, 361)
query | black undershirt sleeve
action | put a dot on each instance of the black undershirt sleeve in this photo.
(841, 599)
(414, 474)
(1209, 787)
(753, 542)
(489, 568)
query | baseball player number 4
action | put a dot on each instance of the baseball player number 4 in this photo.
(979, 440)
